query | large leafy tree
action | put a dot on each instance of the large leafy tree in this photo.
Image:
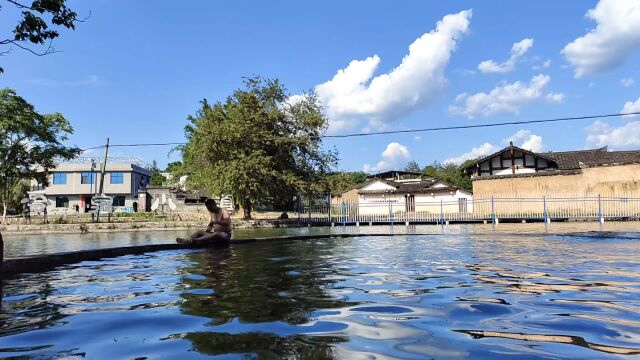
(413, 166)
(339, 183)
(38, 24)
(260, 145)
(450, 173)
(30, 144)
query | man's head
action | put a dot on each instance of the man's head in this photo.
(211, 205)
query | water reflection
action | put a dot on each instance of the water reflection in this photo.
(451, 296)
(272, 287)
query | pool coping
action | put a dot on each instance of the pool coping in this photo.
(45, 262)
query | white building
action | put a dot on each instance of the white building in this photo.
(75, 183)
(407, 192)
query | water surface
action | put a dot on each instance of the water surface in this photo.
(445, 296)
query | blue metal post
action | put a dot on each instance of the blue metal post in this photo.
(441, 213)
(600, 215)
(391, 211)
(493, 214)
(544, 213)
(344, 214)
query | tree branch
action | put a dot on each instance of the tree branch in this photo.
(50, 49)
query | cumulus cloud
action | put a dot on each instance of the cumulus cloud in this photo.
(394, 156)
(627, 82)
(631, 107)
(623, 137)
(523, 139)
(476, 152)
(627, 136)
(517, 50)
(355, 94)
(526, 140)
(613, 40)
(504, 98)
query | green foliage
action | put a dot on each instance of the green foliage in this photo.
(37, 25)
(341, 182)
(156, 178)
(257, 146)
(175, 168)
(30, 143)
(449, 173)
(413, 166)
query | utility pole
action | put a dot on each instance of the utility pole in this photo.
(104, 167)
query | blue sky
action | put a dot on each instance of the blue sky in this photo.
(134, 71)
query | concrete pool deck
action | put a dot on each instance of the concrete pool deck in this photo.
(39, 263)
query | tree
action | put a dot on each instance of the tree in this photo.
(30, 144)
(258, 146)
(156, 177)
(174, 168)
(37, 25)
(450, 173)
(413, 166)
(344, 181)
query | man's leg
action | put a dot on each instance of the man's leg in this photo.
(196, 235)
(218, 237)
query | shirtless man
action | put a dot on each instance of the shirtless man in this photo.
(219, 230)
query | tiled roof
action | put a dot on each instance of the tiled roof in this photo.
(596, 157)
(408, 187)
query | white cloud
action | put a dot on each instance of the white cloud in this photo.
(526, 140)
(354, 94)
(545, 65)
(394, 156)
(504, 98)
(631, 107)
(89, 80)
(523, 138)
(624, 137)
(627, 82)
(557, 98)
(517, 50)
(613, 40)
(417, 138)
(476, 152)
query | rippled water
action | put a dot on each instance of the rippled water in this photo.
(441, 296)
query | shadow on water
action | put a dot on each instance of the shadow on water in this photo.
(275, 285)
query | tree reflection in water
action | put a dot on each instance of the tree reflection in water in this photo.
(275, 282)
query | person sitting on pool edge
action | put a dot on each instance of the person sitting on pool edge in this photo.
(218, 231)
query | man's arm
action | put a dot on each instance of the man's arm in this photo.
(210, 226)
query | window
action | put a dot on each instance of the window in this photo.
(59, 178)
(87, 178)
(118, 200)
(62, 202)
(117, 178)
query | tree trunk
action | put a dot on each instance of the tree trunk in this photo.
(4, 211)
(246, 207)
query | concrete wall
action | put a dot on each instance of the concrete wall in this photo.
(605, 180)
(78, 200)
(379, 204)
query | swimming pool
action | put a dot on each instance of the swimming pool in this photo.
(407, 296)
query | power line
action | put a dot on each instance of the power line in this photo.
(443, 128)
(482, 125)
